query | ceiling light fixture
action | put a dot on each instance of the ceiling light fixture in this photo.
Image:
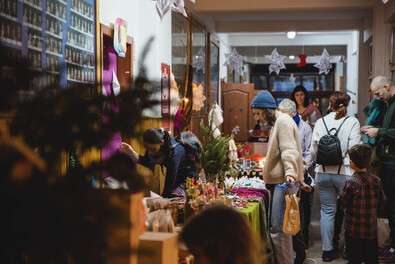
(291, 34)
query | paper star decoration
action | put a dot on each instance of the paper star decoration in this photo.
(276, 62)
(179, 6)
(292, 79)
(198, 97)
(162, 7)
(199, 61)
(234, 61)
(324, 62)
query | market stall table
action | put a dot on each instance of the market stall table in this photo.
(256, 215)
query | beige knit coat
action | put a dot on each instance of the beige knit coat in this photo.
(284, 154)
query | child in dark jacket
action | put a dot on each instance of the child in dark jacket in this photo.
(362, 197)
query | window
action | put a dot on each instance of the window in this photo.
(319, 86)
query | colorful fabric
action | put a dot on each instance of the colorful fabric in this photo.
(249, 192)
(362, 197)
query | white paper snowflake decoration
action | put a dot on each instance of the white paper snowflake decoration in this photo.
(236, 130)
(292, 79)
(324, 62)
(179, 6)
(163, 6)
(276, 62)
(234, 61)
(199, 61)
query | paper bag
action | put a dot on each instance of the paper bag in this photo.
(291, 224)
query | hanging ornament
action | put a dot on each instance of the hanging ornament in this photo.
(162, 7)
(179, 6)
(292, 79)
(302, 62)
(234, 61)
(276, 61)
(236, 130)
(198, 97)
(324, 62)
(199, 61)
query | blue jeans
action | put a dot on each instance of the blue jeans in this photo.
(329, 187)
(282, 243)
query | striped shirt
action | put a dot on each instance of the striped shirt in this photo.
(362, 196)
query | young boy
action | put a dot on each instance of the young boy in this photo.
(362, 197)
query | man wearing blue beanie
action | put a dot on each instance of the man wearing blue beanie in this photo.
(284, 164)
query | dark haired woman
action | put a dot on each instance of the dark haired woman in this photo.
(308, 111)
(163, 149)
(222, 235)
(331, 178)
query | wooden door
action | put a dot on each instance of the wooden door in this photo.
(236, 100)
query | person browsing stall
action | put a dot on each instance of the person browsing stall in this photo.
(330, 178)
(300, 240)
(383, 88)
(308, 111)
(163, 149)
(363, 197)
(284, 164)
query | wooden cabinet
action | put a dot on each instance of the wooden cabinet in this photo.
(236, 101)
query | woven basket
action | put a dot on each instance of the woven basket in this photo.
(173, 208)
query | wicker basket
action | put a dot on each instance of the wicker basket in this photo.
(173, 208)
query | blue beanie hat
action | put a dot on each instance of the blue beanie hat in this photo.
(264, 99)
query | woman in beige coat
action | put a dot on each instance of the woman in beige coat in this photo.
(284, 164)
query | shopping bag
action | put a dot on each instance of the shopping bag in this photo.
(291, 224)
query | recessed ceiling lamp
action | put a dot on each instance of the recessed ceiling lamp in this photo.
(291, 34)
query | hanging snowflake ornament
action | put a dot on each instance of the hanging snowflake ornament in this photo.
(276, 62)
(324, 62)
(179, 6)
(199, 61)
(163, 6)
(292, 79)
(234, 61)
(236, 130)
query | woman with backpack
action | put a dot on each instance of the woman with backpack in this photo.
(163, 149)
(333, 164)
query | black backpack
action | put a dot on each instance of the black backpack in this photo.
(329, 148)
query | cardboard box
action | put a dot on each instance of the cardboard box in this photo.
(158, 248)
(258, 148)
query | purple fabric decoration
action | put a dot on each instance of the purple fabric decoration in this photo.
(110, 65)
(254, 192)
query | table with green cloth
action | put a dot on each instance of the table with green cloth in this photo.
(256, 215)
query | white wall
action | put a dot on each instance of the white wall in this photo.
(352, 72)
(143, 22)
(224, 49)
